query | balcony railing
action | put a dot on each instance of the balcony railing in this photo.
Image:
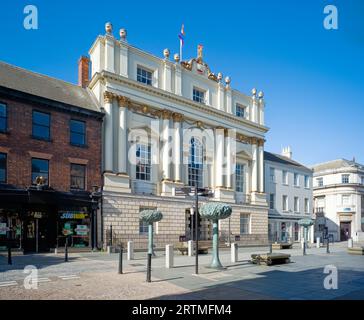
(242, 198)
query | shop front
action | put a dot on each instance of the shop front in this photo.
(36, 221)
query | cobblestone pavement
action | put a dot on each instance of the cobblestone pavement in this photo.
(94, 276)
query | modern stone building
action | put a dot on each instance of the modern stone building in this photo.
(288, 185)
(168, 124)
(339, 199)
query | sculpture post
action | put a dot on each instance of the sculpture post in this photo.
(215, 211)
(150, 238)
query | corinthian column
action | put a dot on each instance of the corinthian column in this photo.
(166, 115)
(177, 118)
(229, 159)
(219, 158)
(122, 134)
(108, 125)
(261, 165)
(254, 165)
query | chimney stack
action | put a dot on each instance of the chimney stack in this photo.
(83, 71)
(286, 152)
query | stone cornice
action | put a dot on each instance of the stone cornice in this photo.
(105, 75)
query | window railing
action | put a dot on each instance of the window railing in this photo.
(242, 198)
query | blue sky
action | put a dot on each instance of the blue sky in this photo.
(313, 78)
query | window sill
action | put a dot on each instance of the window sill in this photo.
(84, 146)
(41, 139)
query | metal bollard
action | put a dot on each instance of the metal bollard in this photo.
(121, 260)
(271, 248)
(66, 251)
(10, 260)
(328, 246)
(149, 268)
(304, 248)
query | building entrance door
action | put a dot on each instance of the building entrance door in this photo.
(345, 231)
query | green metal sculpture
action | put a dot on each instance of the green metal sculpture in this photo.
(149, 217)
(305, 223)
(215, 211)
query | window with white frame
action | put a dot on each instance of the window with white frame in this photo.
(240, 111)
(345, 178)
(362, 180)
(307, 205)
(296, 179)
(307, 181)
(272, 175)
(144, 76)
(285, 203)
(195, 164)
(272, 201)
(296, 204)
(239, 177)
(320, 182)
(244, 223)
(199, 95)
(143, 161)
(284, 177)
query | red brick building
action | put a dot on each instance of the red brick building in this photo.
(50, 160)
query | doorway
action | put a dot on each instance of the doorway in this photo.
(345, 231)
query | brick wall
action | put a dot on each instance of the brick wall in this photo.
(20, 146)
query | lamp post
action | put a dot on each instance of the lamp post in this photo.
(192, 223)
(197, 192)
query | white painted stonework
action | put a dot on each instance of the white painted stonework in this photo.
(339, 199)
(158, 110)
(279, 183)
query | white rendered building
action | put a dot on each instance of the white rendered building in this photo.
(339, 199)
(288, 186)
(168, 124)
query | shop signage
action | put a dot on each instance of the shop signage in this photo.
(72, 215)
(3, 228)
(81, 230)
(37, 214)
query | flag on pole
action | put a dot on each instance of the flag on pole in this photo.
(181, 37)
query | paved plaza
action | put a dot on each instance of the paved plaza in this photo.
(94, 276)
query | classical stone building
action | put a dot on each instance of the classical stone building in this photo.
(168, 124)
(338, 192)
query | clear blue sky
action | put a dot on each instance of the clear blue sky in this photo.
(313, 78)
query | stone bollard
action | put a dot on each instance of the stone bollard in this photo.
(109, 249)
(169, 256)
(318, 242)
(190, 248)
(302, 242)
(130, 250)
(350, 243)
(234, 252)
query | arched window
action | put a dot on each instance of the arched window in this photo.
(195, 163)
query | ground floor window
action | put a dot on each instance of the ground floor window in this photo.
(296, 231)
(244, 223)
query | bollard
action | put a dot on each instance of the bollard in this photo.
(121, 260)
(130, 250)
(66, 250)
(328, 246)
(318, 242)
(271, 247)
(350, 243)
(110, 235)
(234, 252)
(149, 268)
(190, 248)
(169, 256)
(304, 248)
(10, 260)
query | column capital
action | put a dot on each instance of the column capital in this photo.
(261, 142)
(124, 101)
(166, 114)
(108, 97)
(177, 117)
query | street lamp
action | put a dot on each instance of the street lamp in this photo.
(197, 192)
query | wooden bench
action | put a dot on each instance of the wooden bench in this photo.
(356, 250)
(183, 248)
(270, 258)
(281, 245)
